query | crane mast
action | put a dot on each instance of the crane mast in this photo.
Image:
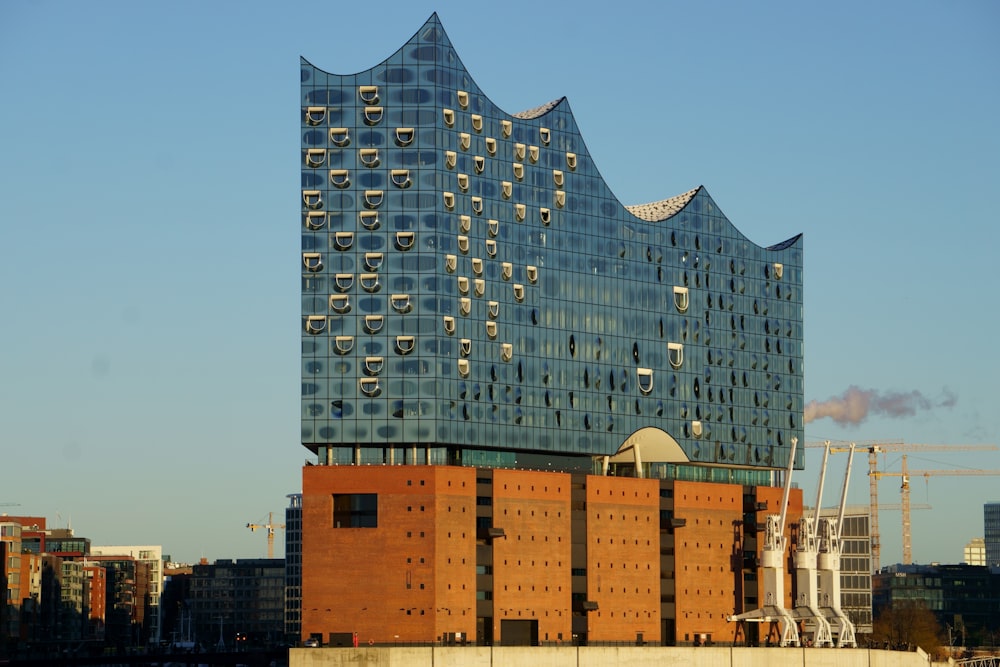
(269, 526)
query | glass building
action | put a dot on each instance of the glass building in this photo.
(474, 293)
(991, 528)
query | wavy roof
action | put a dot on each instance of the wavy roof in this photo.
(663, 209)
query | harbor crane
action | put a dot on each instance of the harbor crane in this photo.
(269, 526)
(876, 447)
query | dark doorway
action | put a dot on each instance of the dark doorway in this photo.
(518, 633)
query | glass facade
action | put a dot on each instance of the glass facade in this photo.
(473, 290)
(991, 528)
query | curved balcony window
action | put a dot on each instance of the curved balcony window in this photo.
(369, 157)
(343, 240)
(449, 117)
(449, 200)
(401, 303)
(571, 161)
(463, 367)
(401, 178)
(506, 127)
(464, 223)
(518, 171)
(313, 261)
(506, 270)
(368, 94)
(477, 122)
(519, 212)
(340, 303)
(779, 270)
(493, 309)
(681, 299)
(464, 140)
(315, 157)
(405, 344)
(491, 247)
(494, 227)
(369, 220)
(532, 272)
(463, 284)
(546, 215)
(560, 198)
(316, 324)
(344, 281)
(533, 154)
(463, 98)
(463, 182)
(696, 429)
(506, 351)
(491, 329)
(450, 263)
(449, 324)
(343, 344)
(491, 145)
(340, 136)
(479, 286)
(340, 178)
(404, 136)
(519, 292)
(544, 135)
(373, 323)
(477, 266)
(450, 159)
(507, 189)
(373, 198)
(373, 115)
(675, 354)
(312, 198)
(558, 178)
(315, 220)
(477, 205)
(373, 365)
(405, 240)
(465, 347)
(369, 386)
(463, 243)
(369, 282)
(480, 163)
(465, 305)
(645, 377)
(373, 260)
(520, 150)
(315, 115)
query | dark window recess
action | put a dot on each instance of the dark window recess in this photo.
(484, 500)
(355, 510)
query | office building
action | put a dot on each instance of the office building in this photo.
(974, 552)
(238, 601)
(477, 305)
(991, 528)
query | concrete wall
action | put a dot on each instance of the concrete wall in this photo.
(601, 656)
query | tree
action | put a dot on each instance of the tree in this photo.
(907, 624)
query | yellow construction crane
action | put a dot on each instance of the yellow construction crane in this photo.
(270, 532)
(876, 447)
(904, 490)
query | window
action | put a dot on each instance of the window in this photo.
(355, 510)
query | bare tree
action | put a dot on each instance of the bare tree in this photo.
(906, 625)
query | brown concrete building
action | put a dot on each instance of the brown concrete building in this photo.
(412, 554)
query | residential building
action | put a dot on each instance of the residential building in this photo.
(537, 415)
(152, 557)
(991, 527)
(975, 552)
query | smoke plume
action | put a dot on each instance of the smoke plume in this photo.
(856, 404)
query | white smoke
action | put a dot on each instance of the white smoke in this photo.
(856, 404)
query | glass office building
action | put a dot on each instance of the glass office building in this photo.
(474, 293)
(991, 528)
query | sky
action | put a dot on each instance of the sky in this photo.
(149, 228)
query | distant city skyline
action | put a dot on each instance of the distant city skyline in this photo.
(151, 364)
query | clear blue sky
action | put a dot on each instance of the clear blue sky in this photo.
(149, 225)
